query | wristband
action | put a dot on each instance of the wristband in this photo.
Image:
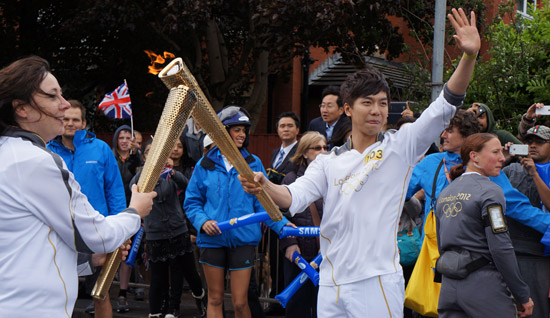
(527, 119)
(469, 57)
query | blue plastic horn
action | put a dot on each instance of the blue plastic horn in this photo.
(298, 282)
(302, 231)
(243, 220)
(135, 248)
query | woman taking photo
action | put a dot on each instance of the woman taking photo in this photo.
(304, 303)
(477, 259)
(215, 194)
(44, 218)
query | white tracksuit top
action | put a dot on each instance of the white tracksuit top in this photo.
(363, 197)
(44, 221)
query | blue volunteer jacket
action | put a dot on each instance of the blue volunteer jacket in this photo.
(518, 206)
(213, 193)
(95, 168)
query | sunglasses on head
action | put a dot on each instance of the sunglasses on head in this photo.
(318, 148)
(537, 141)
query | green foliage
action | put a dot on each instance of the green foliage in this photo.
(514, 73)
(419, 16)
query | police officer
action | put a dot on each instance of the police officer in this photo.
(477, 260)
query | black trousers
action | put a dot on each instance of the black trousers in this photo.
(168, 276)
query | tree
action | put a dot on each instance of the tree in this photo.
(515, 71)
(231, 46)
(419, 16)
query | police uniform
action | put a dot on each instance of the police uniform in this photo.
(469, 219)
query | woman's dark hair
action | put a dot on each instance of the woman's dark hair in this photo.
(145, 144)
(339, 136)
(474, 142)
(20, 80)
(362, 84)
(185, 160)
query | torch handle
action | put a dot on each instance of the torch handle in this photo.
(107, 274)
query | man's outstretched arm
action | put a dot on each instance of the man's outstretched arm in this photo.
(280, 194)
(467, 39)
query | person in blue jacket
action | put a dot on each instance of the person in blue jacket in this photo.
(461, 126)
(91, 161)
(215, 194)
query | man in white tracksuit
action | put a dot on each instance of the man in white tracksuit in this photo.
(364, 184)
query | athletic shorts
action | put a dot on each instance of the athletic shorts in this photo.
(231, 258)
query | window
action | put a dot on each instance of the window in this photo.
(524, 7)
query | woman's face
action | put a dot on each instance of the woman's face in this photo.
(177, 152)
(146, 151)
(490, 159)
(238, 134)
(314, 150)
(48, 121)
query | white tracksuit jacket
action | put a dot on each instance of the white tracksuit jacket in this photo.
(44, 221)
(363, 195)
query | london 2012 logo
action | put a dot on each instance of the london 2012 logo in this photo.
(452, 209)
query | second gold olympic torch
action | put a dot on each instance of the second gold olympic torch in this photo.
(177, 109)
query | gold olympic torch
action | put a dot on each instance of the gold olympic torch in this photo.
(177, 73)
(177, 109)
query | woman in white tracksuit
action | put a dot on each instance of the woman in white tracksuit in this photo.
(44, 218)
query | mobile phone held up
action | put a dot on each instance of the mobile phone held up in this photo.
(519, 150)
(544, 110)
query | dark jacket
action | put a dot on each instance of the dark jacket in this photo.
(166, 219)
(525, 239)
(285, 167)
(503, 135)
(317, 124)
(127, 167)
(308, 245)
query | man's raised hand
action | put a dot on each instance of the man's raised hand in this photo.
(467, 36)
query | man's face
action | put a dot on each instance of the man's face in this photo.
(72, 122)
(123, 141)
(330, 112)
(287, 129)
(482, 119)
(539, 149)
(452, 140)
(368, 115)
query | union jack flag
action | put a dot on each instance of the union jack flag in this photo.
(166, 173)
(117, 103)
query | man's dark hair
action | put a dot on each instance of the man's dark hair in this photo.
(362, 84)
(466, 123)
(76, 104)
(333, 90)
(288, 114)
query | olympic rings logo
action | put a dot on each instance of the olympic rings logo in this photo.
(452, 209)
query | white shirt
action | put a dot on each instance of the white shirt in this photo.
(286, 150)
(364, 195)
(44, 220)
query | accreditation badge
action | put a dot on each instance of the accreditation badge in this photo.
(496, 217)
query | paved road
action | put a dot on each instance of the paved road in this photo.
(140, 309)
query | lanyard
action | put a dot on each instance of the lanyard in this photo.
(446, 171)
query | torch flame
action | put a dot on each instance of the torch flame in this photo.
(157, 61)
